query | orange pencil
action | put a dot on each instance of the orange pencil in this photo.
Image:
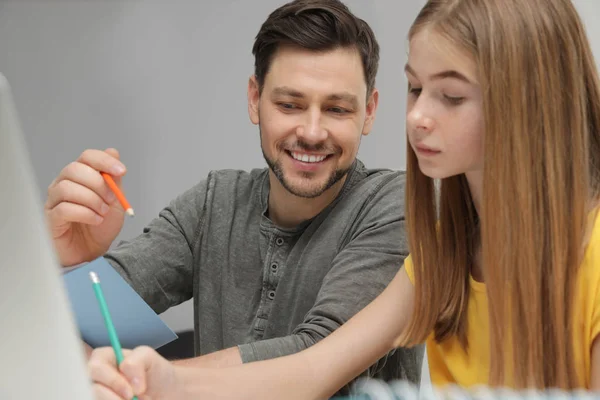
(120, 196)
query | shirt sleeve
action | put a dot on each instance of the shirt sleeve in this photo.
(592, 277)
(408, 266)
(359, 273)
(158, 264)
(595, 316)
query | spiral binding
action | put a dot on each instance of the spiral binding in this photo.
(371, 389)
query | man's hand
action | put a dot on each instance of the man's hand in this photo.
(83, 213)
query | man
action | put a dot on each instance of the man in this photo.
(278, 258)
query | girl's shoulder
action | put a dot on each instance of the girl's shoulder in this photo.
(592, 250)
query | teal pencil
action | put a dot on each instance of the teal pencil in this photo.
(112, 332)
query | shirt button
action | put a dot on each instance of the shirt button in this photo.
(274, 267)
(271, 294)
(279, 241)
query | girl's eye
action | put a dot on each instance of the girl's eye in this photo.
(415, 91)
(454, 100)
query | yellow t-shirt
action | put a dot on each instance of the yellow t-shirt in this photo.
(449, 364)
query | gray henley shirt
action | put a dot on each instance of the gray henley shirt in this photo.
(267, 290)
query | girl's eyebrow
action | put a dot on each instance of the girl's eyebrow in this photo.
(441, 75)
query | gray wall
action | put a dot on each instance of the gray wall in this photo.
(165, 83)
(590, 12)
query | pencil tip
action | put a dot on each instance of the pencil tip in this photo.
(94, 277)
(130, 212)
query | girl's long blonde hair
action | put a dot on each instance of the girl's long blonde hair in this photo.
(541, 105)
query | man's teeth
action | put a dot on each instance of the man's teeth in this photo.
(307, 158)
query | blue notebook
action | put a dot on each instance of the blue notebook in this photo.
(135, 322)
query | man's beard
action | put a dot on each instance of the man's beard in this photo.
(305, 192)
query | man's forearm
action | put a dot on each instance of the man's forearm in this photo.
(219, 359)
(256, 351)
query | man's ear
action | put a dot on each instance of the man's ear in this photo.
(372, 103)
(253, 99)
